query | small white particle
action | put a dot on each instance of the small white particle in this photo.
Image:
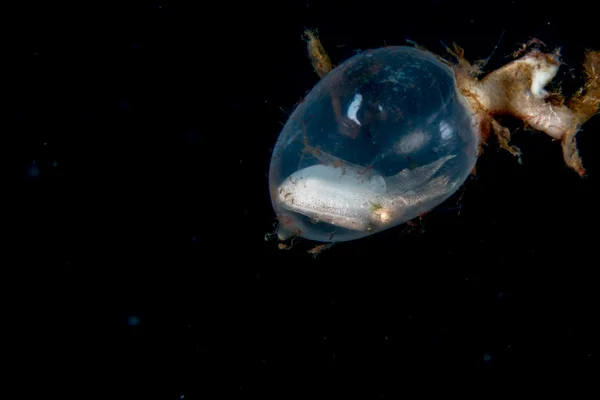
(354, 107)
(446, 130)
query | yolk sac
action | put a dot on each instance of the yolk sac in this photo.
(381, 139)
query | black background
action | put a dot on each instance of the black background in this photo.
(139, 136)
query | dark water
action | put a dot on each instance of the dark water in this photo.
(139, 136)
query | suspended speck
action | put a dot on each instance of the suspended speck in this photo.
(123, 104)
(33, 170)
(133, 320)
(54, 164)
(487, 357)
(192, 136)
(194, 239)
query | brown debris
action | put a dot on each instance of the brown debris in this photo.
(317, 54)
(503, 135)
(517, 89)
(315, 251)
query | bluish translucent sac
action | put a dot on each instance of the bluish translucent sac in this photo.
(381, 139)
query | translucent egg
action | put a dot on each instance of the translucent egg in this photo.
(381, 139)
